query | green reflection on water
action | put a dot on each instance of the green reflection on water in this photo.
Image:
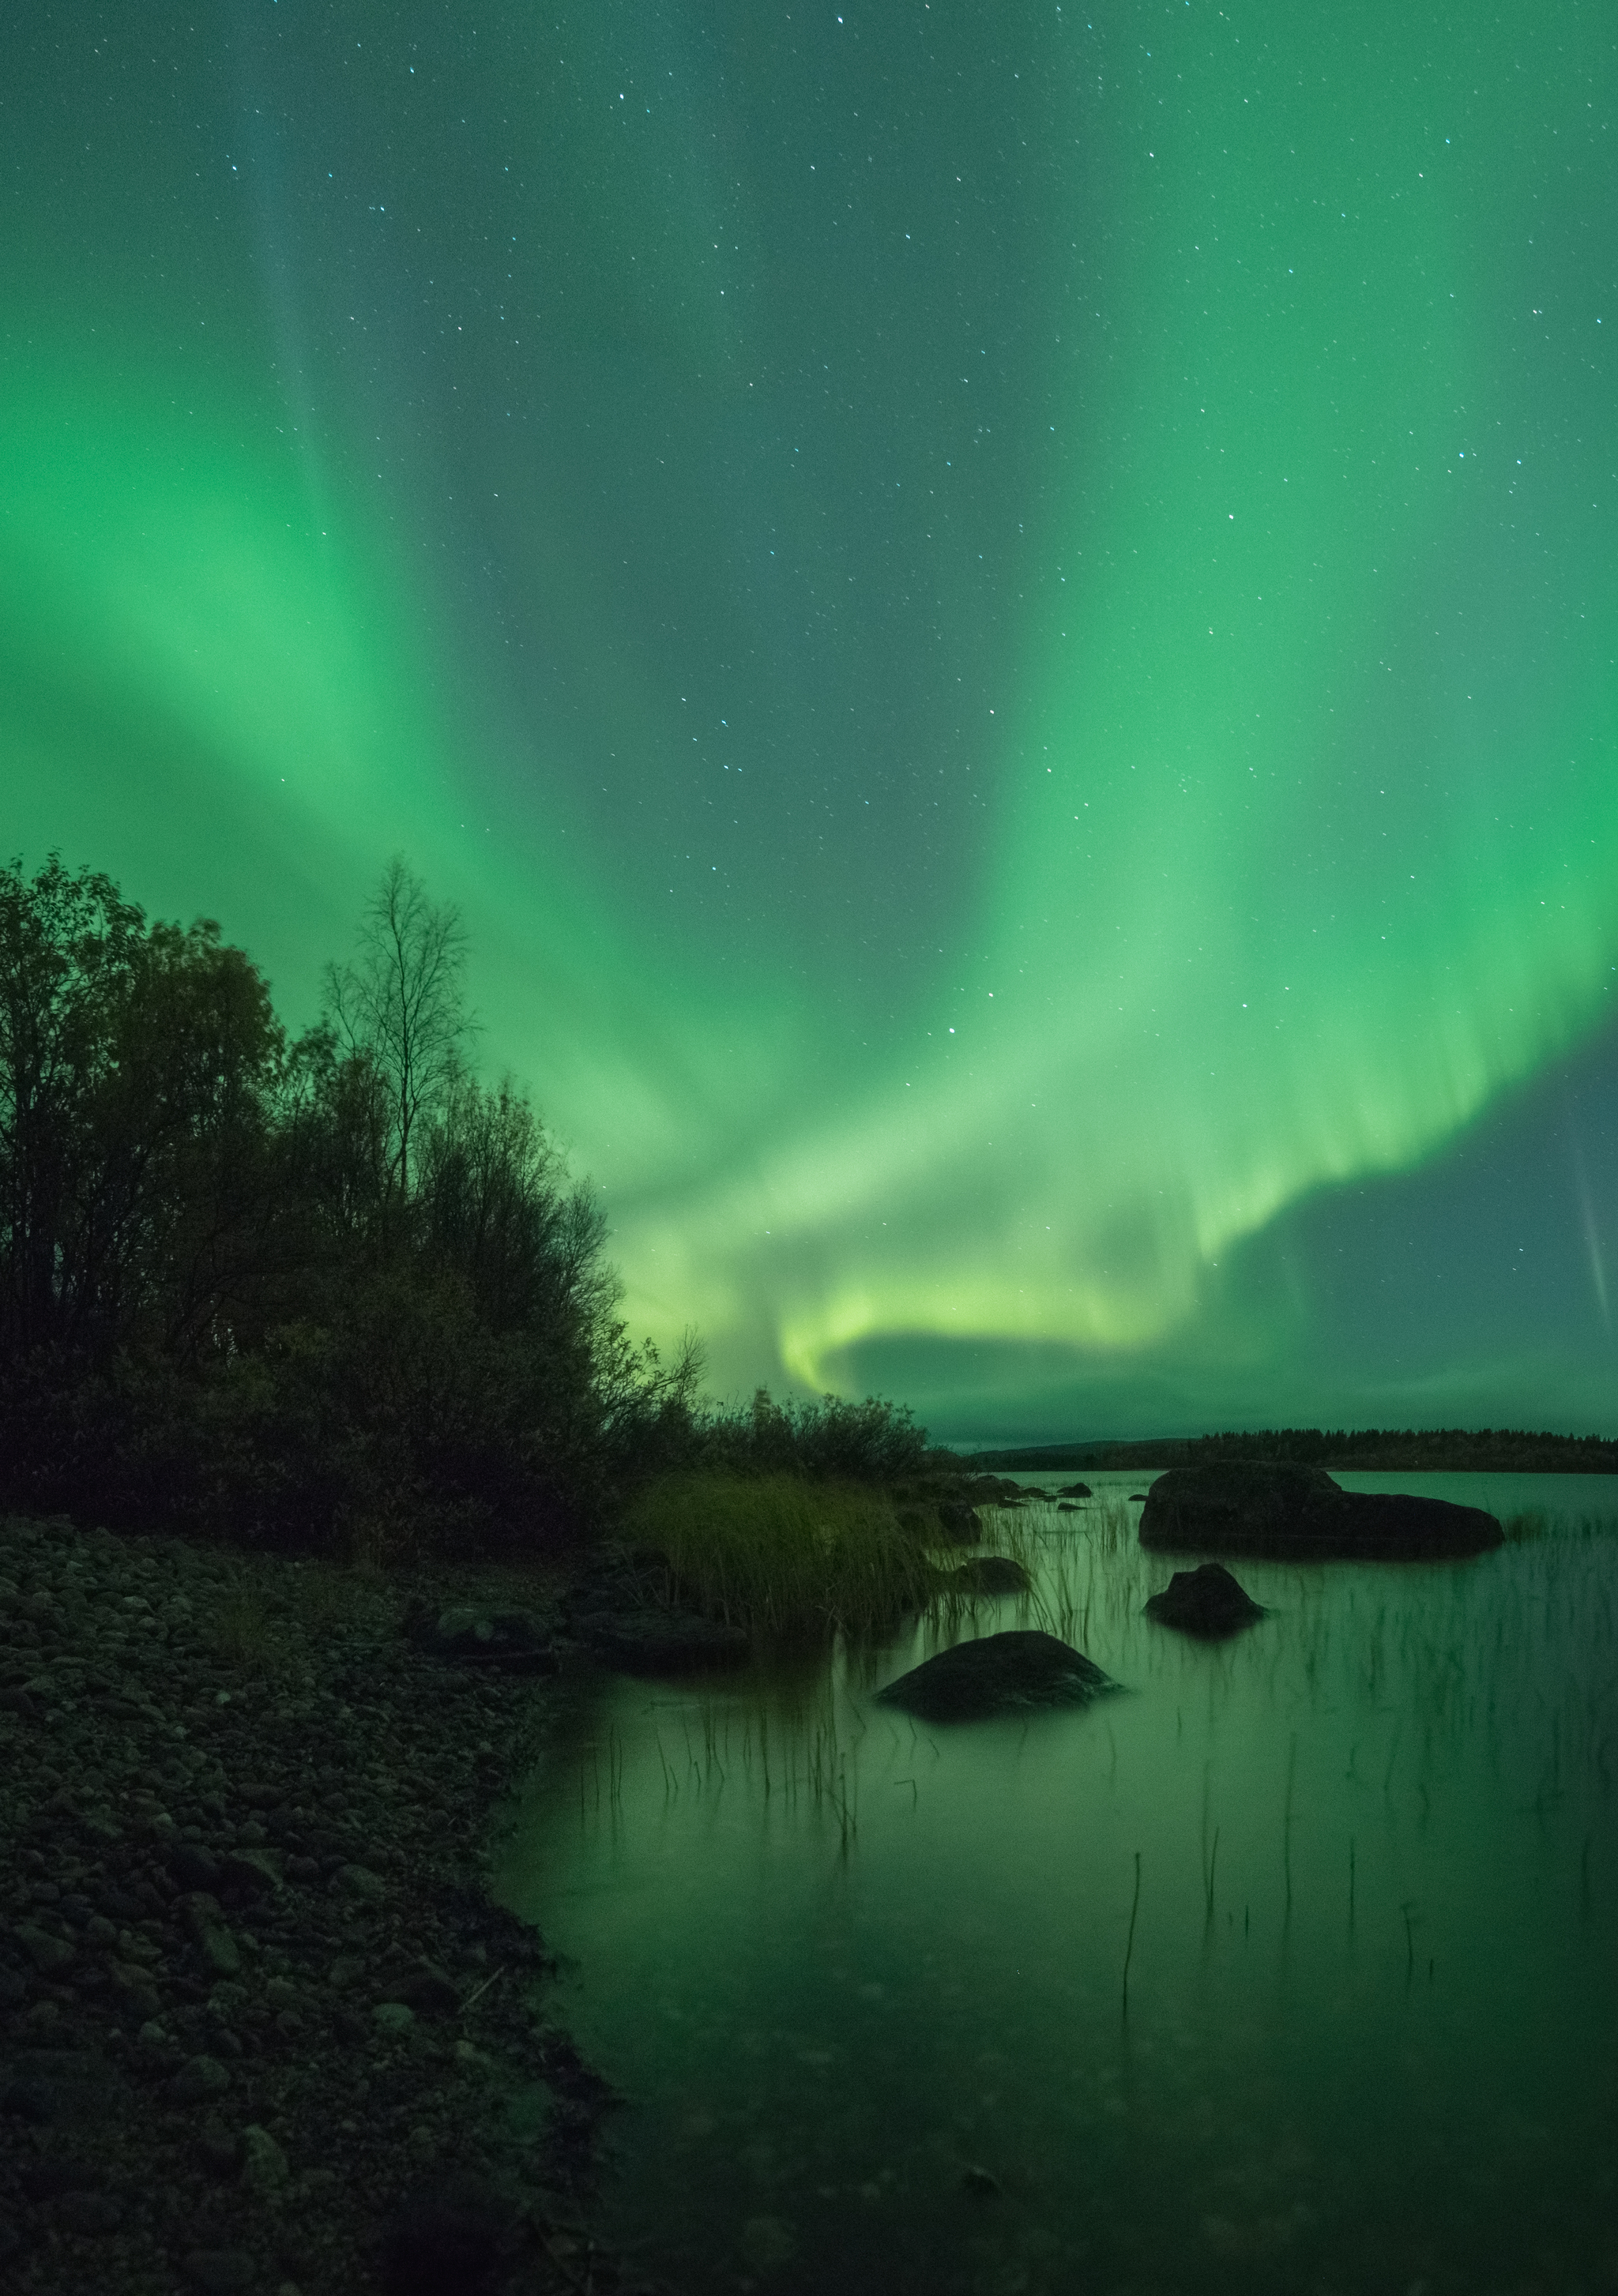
(840, 1964)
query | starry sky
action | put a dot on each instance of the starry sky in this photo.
(1001, 618)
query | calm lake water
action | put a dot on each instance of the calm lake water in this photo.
(846, 1971)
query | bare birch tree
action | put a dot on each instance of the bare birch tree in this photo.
(401, 1004)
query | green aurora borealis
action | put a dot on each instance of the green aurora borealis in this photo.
(1001, 618)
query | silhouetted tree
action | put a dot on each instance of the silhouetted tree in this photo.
(400, 1003)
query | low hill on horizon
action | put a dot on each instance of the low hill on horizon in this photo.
(1453, 1450)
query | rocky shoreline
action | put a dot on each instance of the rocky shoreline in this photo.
(261, 2027)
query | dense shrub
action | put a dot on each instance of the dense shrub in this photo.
(872, 1442)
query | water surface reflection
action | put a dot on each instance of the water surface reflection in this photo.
(862, 1981)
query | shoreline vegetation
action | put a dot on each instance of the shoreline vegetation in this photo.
(1410, 1451)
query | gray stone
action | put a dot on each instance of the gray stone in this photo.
(1206, 1601)
(359, 1881)
(428, 1989)
(263, 2164)
(393, 2016)
(194, 1867)
(198, 2076)
(997, 1674)
(251, 1872)
(220, 1950)
(1255, 1507)
(48, 1954)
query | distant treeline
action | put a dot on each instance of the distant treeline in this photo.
(1456, 1450)
(329, 1289)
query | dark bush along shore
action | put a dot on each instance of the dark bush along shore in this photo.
(261, 2027)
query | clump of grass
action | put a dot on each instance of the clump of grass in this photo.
(785, 1557)
(262, 1617)
(246, 1631)
(1531, 1523)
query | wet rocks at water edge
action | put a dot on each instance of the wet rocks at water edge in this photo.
(479, 1634)
(958, 1522)
(1206, 1601)
(625, 1611)
(1252, 1507)
(255, 1999)
(1014, 1673)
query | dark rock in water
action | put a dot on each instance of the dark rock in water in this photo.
(1067, 1506)
(1207, 1602)
(661, 1642)
(507, 1639)
(1136, 1494)
(986, 1574)
(1253, 1508)
(1076, 1491)
(956, 1520)
(997, 1674)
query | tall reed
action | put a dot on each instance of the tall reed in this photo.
(783, 1556)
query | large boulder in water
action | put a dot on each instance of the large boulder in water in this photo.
(1253, 1507)
(1206, 1601)
(997, 1674)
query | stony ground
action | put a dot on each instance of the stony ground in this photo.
(260, 2026)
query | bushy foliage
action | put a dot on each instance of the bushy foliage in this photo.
(329, 1289)
(871, 1442)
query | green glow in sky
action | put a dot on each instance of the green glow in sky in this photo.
(1002, 623)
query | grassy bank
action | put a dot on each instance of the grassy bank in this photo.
(786, 1557)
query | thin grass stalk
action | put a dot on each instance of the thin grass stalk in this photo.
(1130, 1948)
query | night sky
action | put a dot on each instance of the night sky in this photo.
(1001, 617)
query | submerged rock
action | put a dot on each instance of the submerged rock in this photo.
(1250, 1507)
(985, 1574)
(997, 1674)
(1075, 1491)
(1206, 1601)
(661, 1642)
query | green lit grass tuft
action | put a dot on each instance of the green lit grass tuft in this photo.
(787, 1558)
